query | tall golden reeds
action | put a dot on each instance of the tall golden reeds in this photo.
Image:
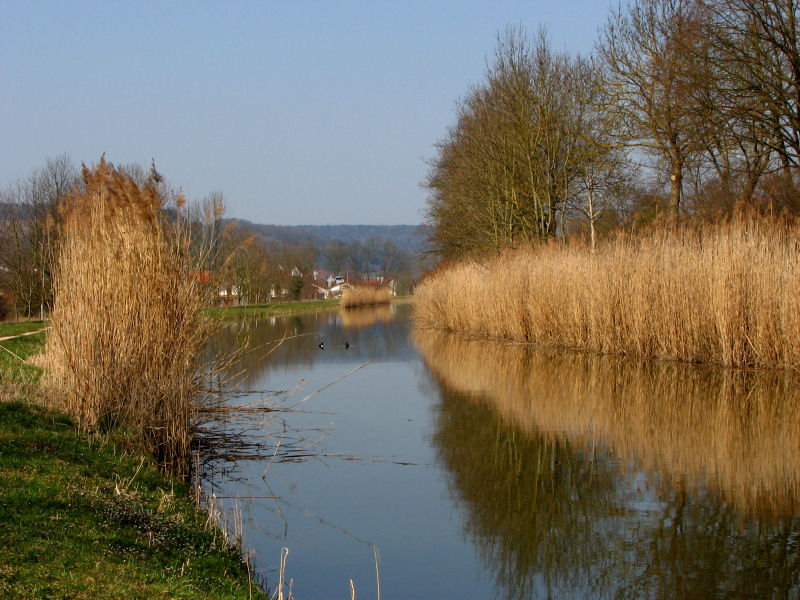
(126, 327)
(362, 295)
(726, 294)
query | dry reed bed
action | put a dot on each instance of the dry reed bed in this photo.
(727, 294)
(126, 325)
(732, 431)
(361, 295)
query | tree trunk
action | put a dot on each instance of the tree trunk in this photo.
(592, 219)
(676, 189)
(749, 189)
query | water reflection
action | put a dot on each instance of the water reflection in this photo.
(283, 344)
(595, 476)
(358, 318)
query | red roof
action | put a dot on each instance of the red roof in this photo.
(204, 276)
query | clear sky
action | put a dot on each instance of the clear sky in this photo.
(298, 112)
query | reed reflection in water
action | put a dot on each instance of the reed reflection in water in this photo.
(358, 318)
(737, 432)
(604, 476)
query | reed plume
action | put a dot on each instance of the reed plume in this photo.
(126, 324)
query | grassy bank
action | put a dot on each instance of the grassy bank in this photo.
(273, 309)
(20, 327)
(280, 309)
(84, 519)
(14, 352)
(87, 516)
(726, 294)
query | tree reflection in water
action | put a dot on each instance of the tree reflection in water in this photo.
(605, 477)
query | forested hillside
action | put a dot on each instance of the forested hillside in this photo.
(406, 237)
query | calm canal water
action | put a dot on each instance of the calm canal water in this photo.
(482, 470)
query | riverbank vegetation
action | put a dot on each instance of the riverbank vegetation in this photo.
(91, 515)
(360, 295)
(88, 427)
(725, 294)
(640, 201)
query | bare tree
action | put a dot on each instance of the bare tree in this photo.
(29, 234)
(656, 85)
(383, 257)
(603, 170)
(392, 259)
(504, 172)
(204, 219)
(757, 54)
(761, 57)
(354, 258)
(246, 268)
(335, 260)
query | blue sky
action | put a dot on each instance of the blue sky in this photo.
(298, 112)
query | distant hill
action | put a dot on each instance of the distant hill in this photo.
(407, 237)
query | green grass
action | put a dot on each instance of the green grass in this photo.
(91, 517)
(80, 519)
(14, 352)
(273, 309)
(17, 328)
(276, 309)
